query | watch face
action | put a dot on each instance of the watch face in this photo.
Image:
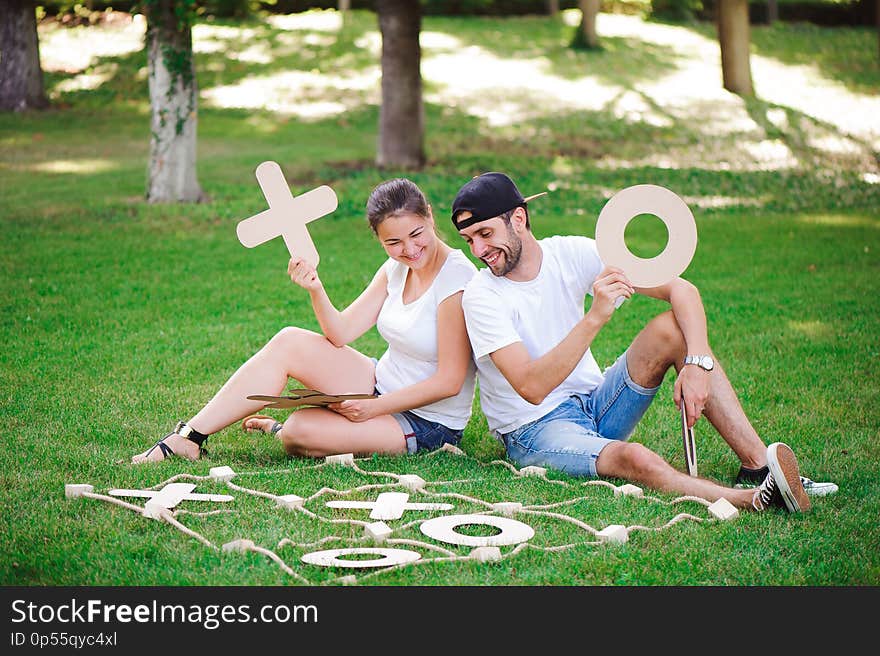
(707, 363)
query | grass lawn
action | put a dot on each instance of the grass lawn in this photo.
(120, 318)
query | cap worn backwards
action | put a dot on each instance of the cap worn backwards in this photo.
(485, 197)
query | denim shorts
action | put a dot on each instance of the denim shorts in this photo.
(423, 434)
(570, 437)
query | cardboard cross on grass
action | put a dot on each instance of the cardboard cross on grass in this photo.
(287, 216)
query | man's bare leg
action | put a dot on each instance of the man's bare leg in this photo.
(661, 345)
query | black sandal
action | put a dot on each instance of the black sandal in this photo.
(184, 430)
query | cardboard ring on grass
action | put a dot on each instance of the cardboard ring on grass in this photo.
(443, 530)
(628, 203)
(387, 557)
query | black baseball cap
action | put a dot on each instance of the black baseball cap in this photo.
(485, 197)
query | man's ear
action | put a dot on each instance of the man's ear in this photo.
(518, 220)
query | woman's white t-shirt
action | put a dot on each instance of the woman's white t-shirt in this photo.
(411, 332)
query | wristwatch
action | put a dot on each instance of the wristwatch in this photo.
(702, 361)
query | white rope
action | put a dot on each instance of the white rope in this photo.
(166, 515)
(541, 510)
(564, 518)
(424, 545)
(114, 500)
(271, 554)
(201, 514)
(178, 477)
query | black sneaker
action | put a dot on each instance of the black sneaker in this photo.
(782, 486)
(767, 495)
(749, 478)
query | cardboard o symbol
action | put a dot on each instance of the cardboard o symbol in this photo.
(628, 203)
(443, 528)
(386, 557)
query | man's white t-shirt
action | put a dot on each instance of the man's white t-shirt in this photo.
(411, 332)
(539, 313)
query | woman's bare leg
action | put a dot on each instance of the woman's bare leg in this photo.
(317, 432)
(291, 353)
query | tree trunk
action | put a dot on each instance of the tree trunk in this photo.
(401, 118)
(586, 35)
(552, 7)
(772, 11)
(21, 78)
(173, 103)
(733, 35)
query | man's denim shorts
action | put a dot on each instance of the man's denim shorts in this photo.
(570, 437)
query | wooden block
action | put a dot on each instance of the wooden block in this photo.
(628, 490)
(378, 531)
(221, 474)
(451, 448)
(507, 508)
(290, 501)
(239, 545)
(389, 505)
(153, 510)
(346, 459)
(533, 471)
(486, 554)
(73, 490)
(723, 509)
(412, 482)
(615, 533)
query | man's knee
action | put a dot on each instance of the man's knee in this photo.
(629, 461)
(667, 334)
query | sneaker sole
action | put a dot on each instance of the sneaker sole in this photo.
(820, 489)
(784, 468)
(814, 490)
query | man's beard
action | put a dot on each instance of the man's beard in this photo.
(512, 251)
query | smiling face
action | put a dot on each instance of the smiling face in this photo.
(495, 242)
(408, 238)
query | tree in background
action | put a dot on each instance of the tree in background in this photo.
(401, 117)
(21, 78)
(173, 102)
(733, 36)
(586, 35)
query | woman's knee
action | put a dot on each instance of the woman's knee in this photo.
(288, 340)
(298, 436)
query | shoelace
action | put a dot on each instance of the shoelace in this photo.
(764, 493)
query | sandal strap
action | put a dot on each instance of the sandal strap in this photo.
(185, 430)
(164, 448)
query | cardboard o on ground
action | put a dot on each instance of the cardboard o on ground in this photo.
(672, 210)
(387, 557)
(287, 216)
(443, 530)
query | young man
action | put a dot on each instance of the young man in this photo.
(541, 389)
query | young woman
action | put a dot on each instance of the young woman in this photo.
(424, 381)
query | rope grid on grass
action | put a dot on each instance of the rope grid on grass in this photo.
(412, 484)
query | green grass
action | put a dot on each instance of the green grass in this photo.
(118, 318)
